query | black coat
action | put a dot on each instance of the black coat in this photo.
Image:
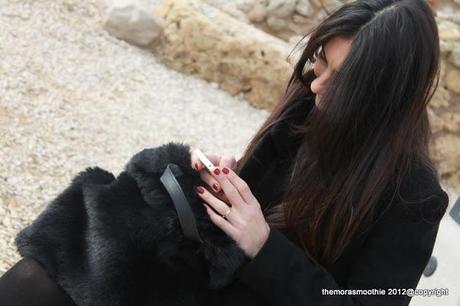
(391, 254)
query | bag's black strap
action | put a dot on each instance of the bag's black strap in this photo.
(184, 211)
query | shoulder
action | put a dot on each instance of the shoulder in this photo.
(422, 193)
(419, 197)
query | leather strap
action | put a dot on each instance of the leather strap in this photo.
(183, 209)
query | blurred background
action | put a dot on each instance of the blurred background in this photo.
(86, 83)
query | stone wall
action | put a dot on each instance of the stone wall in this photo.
(445, 105)
(202, 40)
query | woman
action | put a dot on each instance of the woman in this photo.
(337, 189)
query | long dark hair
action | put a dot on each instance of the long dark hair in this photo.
(372, 125)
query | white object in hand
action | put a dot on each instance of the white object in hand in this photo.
(206, 162)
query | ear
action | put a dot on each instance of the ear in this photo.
(224, 257)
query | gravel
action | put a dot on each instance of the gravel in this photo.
(72, 96)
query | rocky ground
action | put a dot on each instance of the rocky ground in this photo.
(72, 96)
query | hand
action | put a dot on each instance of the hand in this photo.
(245, 222)
(220, 161)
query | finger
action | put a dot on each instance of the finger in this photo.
(240, 185)
(227, 161)
(210, 180)
(221, 196)
(219, 206)
(230, 191)
(196, 164)
(222, 223)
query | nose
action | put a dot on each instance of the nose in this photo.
(319, 84)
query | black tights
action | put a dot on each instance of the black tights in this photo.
(28, 284)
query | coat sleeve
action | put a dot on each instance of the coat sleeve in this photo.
(394, 255)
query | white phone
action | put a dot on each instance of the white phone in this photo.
(206, 162)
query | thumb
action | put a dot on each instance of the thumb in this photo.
(227, 161)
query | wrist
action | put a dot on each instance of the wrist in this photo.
(262, 242)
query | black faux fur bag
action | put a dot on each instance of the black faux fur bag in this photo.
(118, 241)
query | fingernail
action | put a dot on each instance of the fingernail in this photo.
(199, 189)
(196, 166)
(225, 170)
(216, 171)
(216, 188)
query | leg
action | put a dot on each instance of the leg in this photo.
(27, 283)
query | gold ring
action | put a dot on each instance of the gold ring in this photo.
(226, 213)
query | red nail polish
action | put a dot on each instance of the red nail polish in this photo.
(216, 171)
(199, 189)
(215, 187)
(225, 170)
